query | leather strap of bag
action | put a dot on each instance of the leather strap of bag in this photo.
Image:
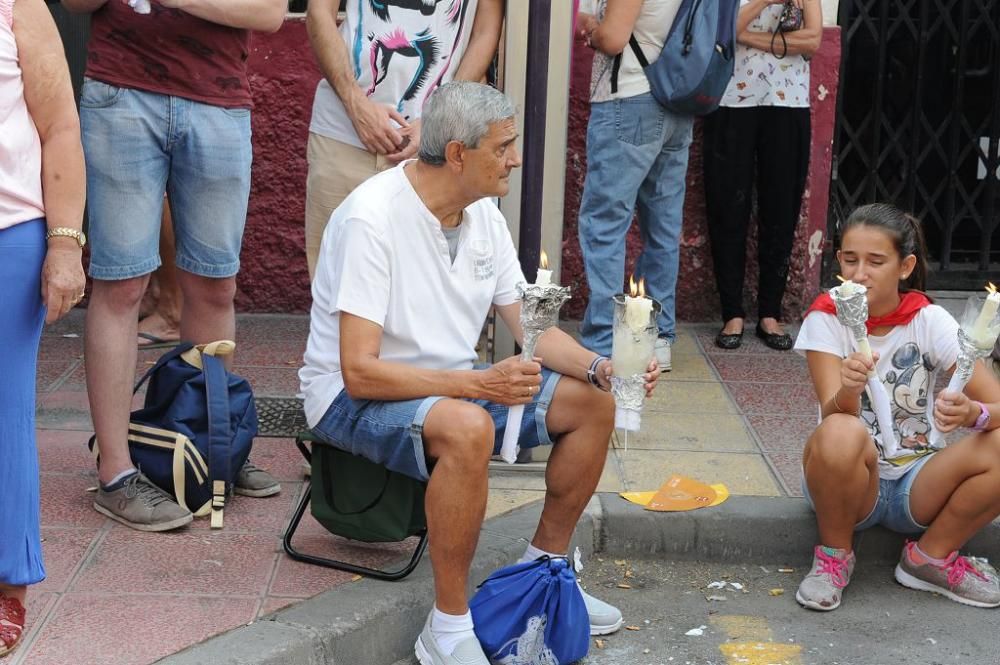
(219, 440)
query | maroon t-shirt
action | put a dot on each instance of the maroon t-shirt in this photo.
(169, 52)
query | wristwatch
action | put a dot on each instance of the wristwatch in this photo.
(983, 421)
(76, 234)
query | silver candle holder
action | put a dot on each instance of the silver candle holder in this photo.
(540, 307)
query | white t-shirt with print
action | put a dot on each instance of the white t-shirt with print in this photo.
(656, 17)
(910, 358)
(400, 52)
(762, 79)
(384, 258)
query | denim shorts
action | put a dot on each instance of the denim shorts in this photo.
(892, 506)
(391, 433)
(139, 145)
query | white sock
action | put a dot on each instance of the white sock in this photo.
(450, 629)
(533, 553)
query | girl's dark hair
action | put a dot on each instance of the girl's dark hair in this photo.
(905, 232)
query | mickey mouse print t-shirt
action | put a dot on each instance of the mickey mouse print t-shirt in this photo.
(400, 52)
(911, 357)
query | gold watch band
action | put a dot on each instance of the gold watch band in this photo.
(67, 232)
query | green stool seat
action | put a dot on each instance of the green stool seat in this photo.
(359, 500)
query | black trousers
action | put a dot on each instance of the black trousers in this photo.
(767, 146)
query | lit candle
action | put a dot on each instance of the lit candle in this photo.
(638, 307)
(981, 333)
(544, 277)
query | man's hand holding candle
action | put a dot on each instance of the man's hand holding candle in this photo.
(604, 370)
(510, 381)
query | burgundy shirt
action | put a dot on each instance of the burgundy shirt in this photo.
(171, 53)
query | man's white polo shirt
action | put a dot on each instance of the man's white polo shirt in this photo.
(385, 259)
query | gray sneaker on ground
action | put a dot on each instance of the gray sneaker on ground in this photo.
(958, 579)
(604, 617)
(255, 482)
(822, 589)
(140, 504)
(468, 652)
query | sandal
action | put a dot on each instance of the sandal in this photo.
(11, 624)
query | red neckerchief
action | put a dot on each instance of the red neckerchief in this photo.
(910, 303)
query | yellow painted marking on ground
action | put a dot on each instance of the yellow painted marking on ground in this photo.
(750, 642)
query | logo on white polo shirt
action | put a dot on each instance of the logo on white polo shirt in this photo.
(482, 259)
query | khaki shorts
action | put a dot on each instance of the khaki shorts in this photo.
(335, 169)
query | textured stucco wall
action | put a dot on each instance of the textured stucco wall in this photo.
(283, 76)
(697, 298)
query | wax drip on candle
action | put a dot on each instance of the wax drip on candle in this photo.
(544, 277)
(638, 307)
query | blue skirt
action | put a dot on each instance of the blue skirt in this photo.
(22, 252)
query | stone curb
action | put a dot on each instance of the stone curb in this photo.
(375, 623)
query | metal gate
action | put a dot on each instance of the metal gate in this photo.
(918, 125)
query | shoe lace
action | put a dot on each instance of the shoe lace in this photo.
(957, 570)
(150, 494)
(833, 566)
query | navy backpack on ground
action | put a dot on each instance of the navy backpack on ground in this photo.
(532, 614)
(195, 429)
(695, 66)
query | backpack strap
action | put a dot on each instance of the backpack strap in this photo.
(219, 441)
(161, 361)
(640, 56)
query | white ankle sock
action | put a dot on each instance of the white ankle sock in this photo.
(533, 553)
(451, 629)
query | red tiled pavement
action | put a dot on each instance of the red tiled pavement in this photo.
(124, 597)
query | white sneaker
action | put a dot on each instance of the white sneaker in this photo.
(662, 350)
(604, 618)
(468, 651)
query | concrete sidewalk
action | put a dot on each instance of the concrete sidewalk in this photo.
(118, 596)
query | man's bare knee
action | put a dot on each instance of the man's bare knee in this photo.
(459, 432)
(209, 291)
(122, 294)
(576, 405)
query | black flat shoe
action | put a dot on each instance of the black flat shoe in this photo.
(729, 341)
(777, 341)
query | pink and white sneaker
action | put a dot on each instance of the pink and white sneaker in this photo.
(822, 589)
(957, 578)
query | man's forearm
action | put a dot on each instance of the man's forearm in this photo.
(259, 15)
(561, 353)
(330, 50)
(483, 42)
(389, 382)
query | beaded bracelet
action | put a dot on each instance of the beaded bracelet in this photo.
(592, 373)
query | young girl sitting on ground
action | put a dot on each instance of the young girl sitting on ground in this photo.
(853, 478)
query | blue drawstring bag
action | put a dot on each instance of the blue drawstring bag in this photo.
(532, 614)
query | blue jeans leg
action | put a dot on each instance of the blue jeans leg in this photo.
(661, 210)
(629, 141)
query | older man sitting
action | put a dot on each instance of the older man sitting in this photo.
(409, 267)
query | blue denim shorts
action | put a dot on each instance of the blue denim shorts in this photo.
(139, 145)
(391, 433)
(892, 506)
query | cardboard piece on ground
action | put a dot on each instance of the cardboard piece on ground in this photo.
(681, 493)
(643, 498)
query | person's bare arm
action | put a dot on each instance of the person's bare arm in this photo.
(612, 33)
(752, 10)
(805, 41)
(48, 95)
(259, 15)
(366, 376)
(954, 410)
(371, 121)
(839, 382)
(483, 41)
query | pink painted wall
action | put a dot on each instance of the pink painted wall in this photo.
(273, 277)
(697, 298)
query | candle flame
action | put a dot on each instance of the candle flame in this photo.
(991, 287)
(543, 263)
(840, 277)
(636, 290)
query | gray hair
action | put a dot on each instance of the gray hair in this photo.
(460, 111)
